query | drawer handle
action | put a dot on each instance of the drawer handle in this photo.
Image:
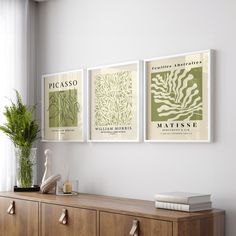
(64, 217)
(11, 208)
(134, 229)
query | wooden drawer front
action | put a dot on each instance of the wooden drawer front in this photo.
(22, 220)
(79, 222)
(120, 225)
(213, 226)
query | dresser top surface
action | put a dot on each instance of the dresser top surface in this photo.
(140, 208)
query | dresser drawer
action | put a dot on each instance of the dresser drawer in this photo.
(112, 224)
(60, 220)
(37, 214)
(18, 217)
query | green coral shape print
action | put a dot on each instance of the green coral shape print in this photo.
(113, 99)
(63, 108)
(176, 95)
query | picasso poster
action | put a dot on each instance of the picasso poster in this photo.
(178, 98)
(63, 106)
(114, 103)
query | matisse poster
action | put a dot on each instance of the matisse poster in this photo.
(114, 103)
(63, 106)
(178, 98)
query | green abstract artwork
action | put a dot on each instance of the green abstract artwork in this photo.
(63, 108)
(113, 99)
(176, 95)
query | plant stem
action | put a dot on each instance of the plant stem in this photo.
(25, 167)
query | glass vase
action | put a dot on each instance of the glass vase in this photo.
(25, 167)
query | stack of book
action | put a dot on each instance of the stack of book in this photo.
(182, 201)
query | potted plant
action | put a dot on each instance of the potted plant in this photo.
(22, 129)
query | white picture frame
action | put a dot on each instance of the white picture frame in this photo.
(155, 135)
(109, 137)
(75, 132)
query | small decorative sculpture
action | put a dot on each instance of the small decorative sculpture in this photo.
(49, 184)
(49, 180)
(47, 164)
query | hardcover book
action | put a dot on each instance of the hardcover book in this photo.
(183, 207)
(183, 197)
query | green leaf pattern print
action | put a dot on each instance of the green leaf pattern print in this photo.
(63, 108)
(176, 95)
(113, 99)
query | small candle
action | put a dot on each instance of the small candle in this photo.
(67, 187)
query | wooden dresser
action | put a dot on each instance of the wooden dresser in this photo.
(35, 214)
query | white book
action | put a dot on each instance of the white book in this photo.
(183, 207)
(183, 197)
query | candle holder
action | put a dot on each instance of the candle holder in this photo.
(67, 187)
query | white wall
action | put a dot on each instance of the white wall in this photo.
(85, 33)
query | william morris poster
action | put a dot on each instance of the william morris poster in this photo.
(63, 106)
(178, 98)
(114, 103)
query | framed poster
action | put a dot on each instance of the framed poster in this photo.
(177, 98)
(63, 113)
(113, 97)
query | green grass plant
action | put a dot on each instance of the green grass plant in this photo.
(22, 129)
